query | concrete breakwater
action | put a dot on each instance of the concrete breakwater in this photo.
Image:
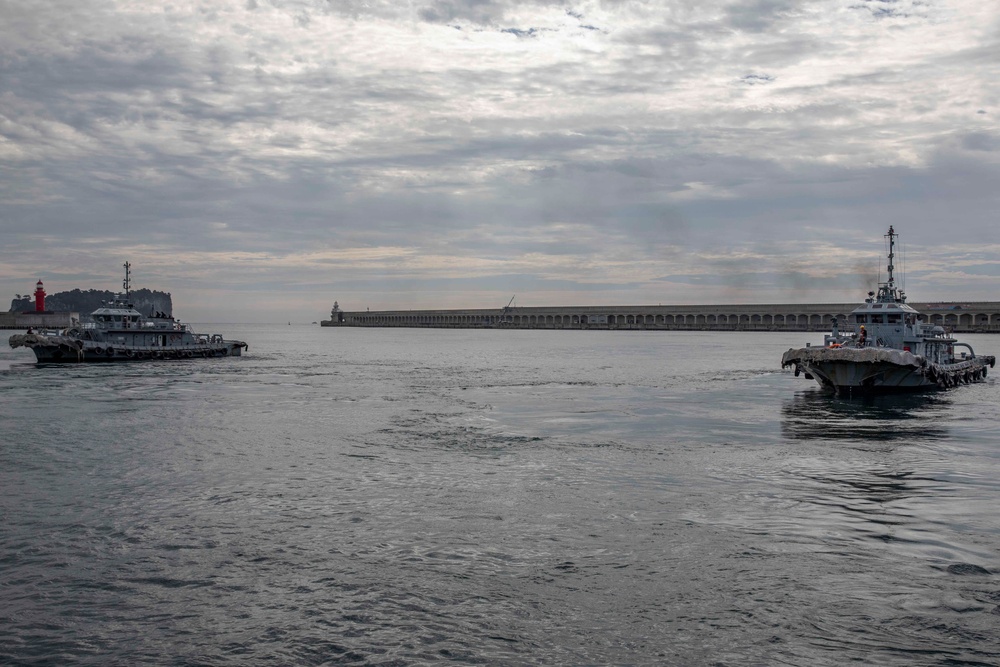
(982, 316)
(45, 320)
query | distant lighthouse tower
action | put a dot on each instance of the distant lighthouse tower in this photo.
(39, 297)
(336, 314)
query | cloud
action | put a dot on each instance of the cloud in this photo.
(754, 151)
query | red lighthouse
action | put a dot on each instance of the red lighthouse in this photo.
(39, 298)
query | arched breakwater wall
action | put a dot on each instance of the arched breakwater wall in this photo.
(982, 316)
(46, 320)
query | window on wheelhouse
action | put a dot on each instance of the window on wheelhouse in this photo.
(894, 318)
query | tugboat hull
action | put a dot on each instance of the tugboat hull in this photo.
(58, 349)
(860, 371)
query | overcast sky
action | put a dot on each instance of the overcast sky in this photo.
(261, 158)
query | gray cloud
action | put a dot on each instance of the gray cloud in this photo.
(748, 152)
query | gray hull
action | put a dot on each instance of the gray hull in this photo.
(68, 350)
(857, 371)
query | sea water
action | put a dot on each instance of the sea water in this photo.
(416, 497)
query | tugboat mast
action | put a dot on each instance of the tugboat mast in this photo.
(887, 292)
(892, 243)
(127, 283)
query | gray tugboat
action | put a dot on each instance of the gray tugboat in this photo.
(892, 350)
(121, 333)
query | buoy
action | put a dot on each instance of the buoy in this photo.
(98, 350)
(110, 352)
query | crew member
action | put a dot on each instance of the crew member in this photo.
(862, 336)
